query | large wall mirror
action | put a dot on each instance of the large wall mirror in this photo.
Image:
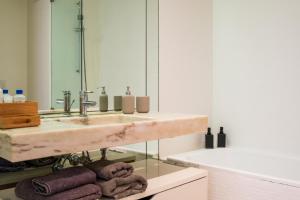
(47, 46)
(111, 43)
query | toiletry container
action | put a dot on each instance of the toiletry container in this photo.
(103, 101)
(128, 102)
(221, 138)
(7, 98)
(1, 95)
(19, 97)
(209, 139)
(117, 103)
(143, 104)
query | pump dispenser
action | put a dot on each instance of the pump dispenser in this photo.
(128, 102)
(221, 138)
(209, 139)
(103, 101)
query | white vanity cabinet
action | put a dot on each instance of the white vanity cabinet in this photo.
(186, 184)
(195, 190)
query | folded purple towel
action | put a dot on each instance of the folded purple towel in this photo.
(118, 188)
(63, 180)
(107, 170)
(24, 190)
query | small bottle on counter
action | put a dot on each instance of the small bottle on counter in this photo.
(221, 138)
(1, 95)
(209, 139)
(7, 98)
(103, 101)
(117, 103)
(19, 97)
(128, 102)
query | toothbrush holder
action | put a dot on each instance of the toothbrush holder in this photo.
(143, 104)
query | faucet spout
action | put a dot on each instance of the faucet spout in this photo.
(85, 103)
(66, 101)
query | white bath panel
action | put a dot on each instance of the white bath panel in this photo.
(225, 185)
(236, 174)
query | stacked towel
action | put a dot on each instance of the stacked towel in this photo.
(63, 180)
(77, 183)
(118, 188)
(116, 179)
(107, 170)
(25, 191)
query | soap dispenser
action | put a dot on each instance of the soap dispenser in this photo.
(221, 138)
(128, 102)
(209, 139)
(103, 101)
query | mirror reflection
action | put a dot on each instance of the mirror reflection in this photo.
(49, 48)
(104, 43)
(75, 45)
(25, 49)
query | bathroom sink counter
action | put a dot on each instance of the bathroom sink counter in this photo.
(74, 134)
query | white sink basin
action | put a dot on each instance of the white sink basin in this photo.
(105, 120)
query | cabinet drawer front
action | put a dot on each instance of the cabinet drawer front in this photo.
(196, 190)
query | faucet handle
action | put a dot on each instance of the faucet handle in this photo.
(85, 92)
(88, 92)
(60, 101)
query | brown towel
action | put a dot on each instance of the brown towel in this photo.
(63, 180)
(107, 170)
(122, 187)
(25, 190)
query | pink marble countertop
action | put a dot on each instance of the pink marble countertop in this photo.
(58, 136)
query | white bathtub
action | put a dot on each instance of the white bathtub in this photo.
(238, 174)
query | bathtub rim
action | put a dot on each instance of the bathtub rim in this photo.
(187, 163)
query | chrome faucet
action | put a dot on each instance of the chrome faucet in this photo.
(84, 103)
(66, 101)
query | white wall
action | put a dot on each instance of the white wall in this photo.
(39, 38)
(185, 64)
(25, 48)
(256, 73)
(13, 44)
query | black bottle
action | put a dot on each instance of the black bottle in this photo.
(209, 139)
(221, 138)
